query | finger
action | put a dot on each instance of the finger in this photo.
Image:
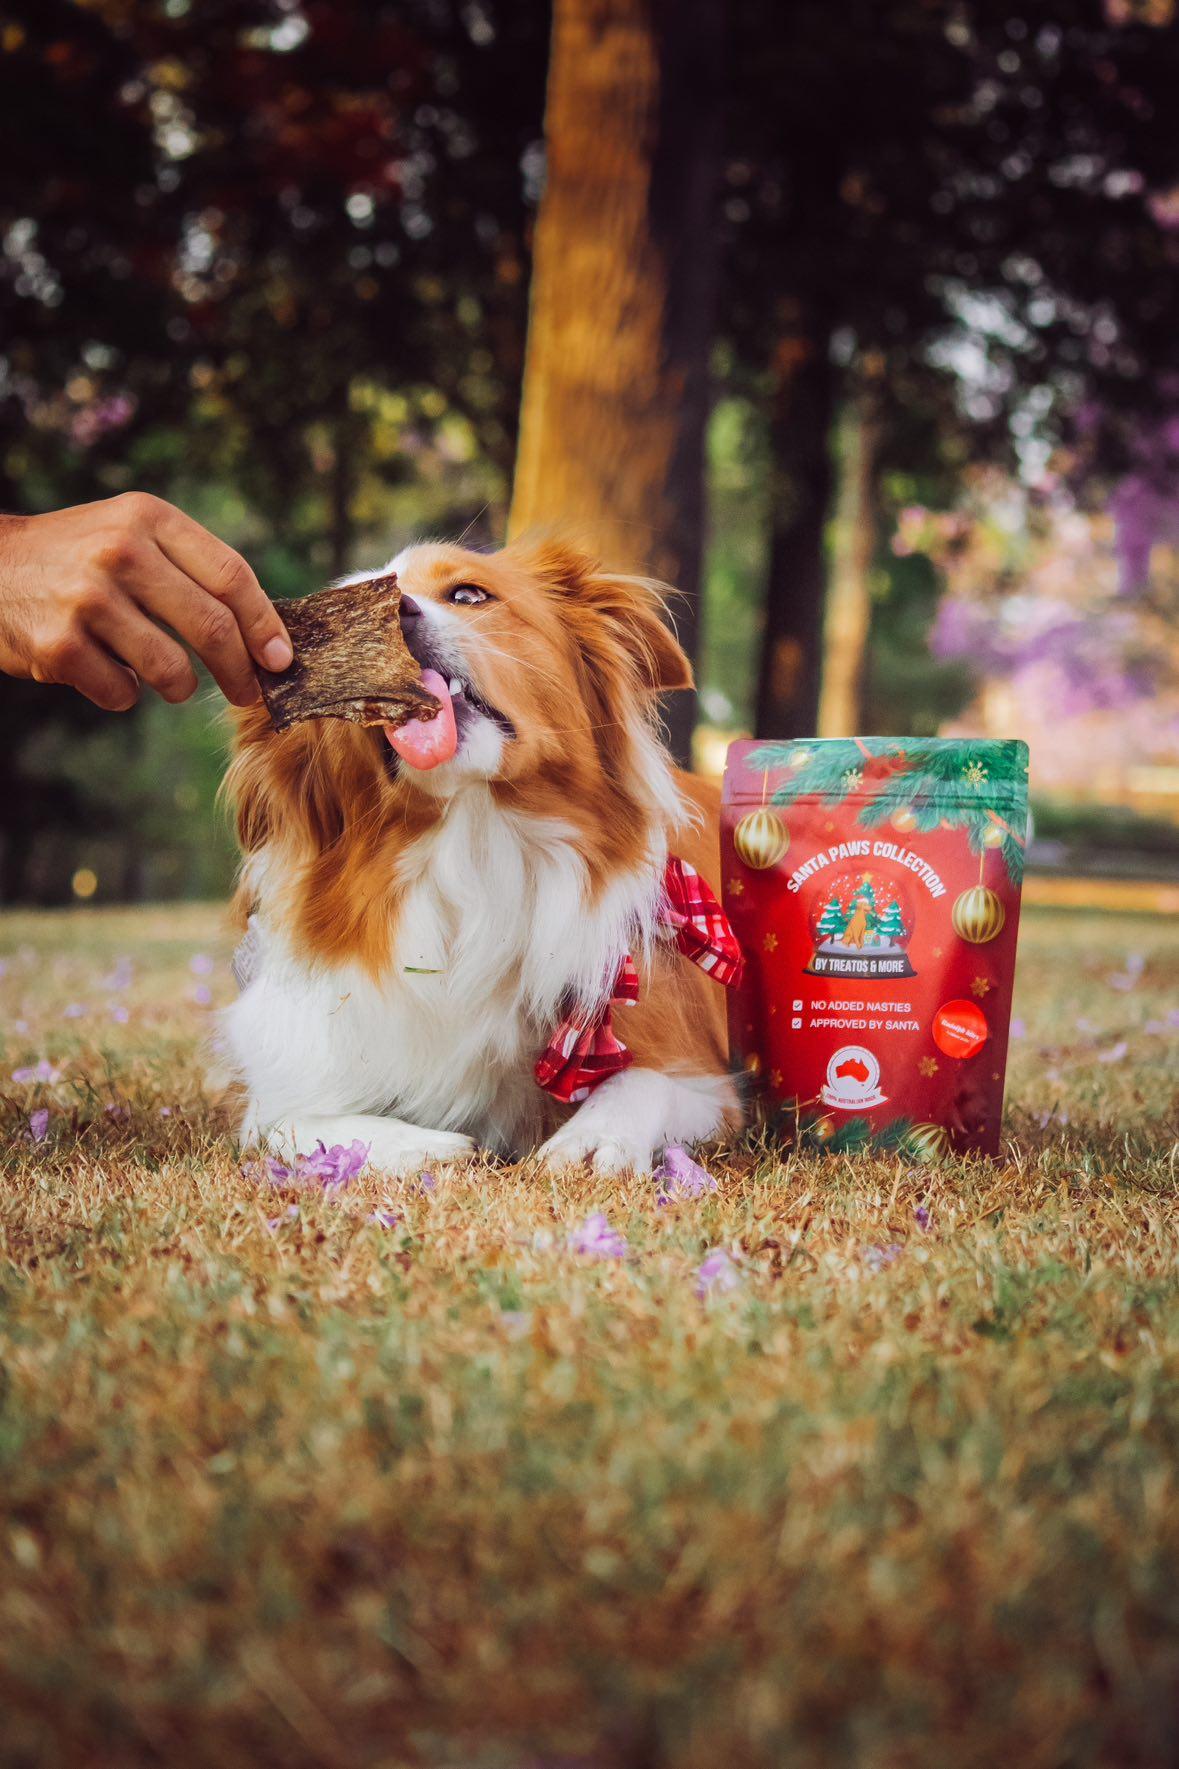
(155, 657)
(76, 660)
(166, 593)
(225, 574)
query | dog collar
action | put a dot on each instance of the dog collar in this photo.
(582, 1053)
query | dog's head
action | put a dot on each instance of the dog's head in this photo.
(549, 659)
(553, 666)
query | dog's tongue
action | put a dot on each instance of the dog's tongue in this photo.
(424, 743)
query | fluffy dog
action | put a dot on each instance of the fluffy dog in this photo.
(494, 952)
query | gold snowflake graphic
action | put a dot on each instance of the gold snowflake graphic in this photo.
(770, 942)
(735, 887)
(974, 773)
(852, 779)
(927, 1066)
(980, 986)
(776, 1078)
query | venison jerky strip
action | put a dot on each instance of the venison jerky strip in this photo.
(351, 661)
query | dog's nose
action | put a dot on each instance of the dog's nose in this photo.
(410, 610)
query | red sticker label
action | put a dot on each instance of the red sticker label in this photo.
(960, 1028)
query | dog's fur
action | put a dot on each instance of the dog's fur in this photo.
(419, 935)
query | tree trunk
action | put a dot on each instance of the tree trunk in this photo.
(616, 382)
(801, 483)
(848, 615)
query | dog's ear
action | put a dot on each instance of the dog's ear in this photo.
(633, 610)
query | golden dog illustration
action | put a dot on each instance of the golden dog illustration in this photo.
(856, 931)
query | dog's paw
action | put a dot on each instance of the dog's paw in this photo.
(607, 1155)
(402, 1149)
(394, 1147)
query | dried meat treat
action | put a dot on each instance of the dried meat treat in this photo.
(351, 661)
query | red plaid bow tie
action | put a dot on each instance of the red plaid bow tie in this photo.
(581, 1054)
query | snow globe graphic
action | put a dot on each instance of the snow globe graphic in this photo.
(861, 923)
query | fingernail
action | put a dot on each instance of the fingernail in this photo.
(277, 654)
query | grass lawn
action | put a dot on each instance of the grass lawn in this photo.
(311, 1488)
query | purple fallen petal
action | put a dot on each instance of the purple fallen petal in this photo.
(39, 1123)
(40, 1071)
(384, 1218)
(595, 1239)
(332, 1168)
(716, 1273)
(201, 965)
(75, 1011)
(1115, 1053)
(678, 1176)
(876, 1258)
(921, 1216)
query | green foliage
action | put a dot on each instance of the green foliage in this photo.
(973, 784)
(738, 511)
(274, 268)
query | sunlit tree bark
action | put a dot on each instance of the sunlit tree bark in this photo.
(616, 387)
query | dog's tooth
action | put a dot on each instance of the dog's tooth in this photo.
(456, 686)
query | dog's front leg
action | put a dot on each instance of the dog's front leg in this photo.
(633, 1116)
(393, 1146)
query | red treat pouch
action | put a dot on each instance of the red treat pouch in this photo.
(874, 884)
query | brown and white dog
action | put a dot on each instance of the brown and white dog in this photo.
(416, 936)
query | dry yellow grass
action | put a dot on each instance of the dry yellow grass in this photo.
(444, 1493)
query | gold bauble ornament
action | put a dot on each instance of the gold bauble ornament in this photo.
(799, 758)
(823, 1129)
(993, 836)
(927, 1142)
(761, 839)
(905, 820)
(978, 916)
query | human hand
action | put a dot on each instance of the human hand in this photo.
(85, 594)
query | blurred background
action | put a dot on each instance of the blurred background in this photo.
(855, 322)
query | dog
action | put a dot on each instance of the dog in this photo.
(493, 953)
(856, 931)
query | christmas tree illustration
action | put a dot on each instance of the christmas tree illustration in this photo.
(892, 927)
(866, 894)
(833, 920)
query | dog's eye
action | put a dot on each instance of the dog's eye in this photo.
(468, 595)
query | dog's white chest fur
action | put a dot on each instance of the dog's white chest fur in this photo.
(494, 937)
